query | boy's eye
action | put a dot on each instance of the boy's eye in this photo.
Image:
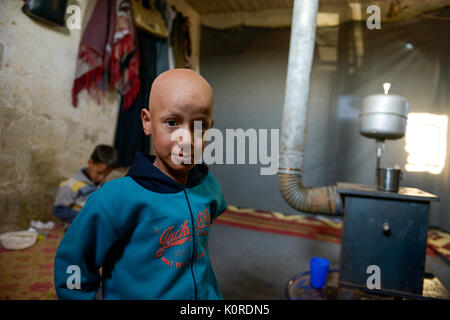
(171, 123)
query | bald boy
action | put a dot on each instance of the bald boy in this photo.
(178, 98)
(149, 230)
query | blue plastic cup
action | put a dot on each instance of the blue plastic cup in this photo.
(318, 272)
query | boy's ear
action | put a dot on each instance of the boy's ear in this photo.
(145, 117)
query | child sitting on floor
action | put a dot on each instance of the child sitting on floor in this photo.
(72, 193)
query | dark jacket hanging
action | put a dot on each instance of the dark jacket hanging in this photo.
(130, 136)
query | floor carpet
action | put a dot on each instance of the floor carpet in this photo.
(314, 227)
(28, 274)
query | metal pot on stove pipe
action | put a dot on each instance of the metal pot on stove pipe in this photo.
(382, 117)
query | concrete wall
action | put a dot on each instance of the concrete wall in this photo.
(43, 138)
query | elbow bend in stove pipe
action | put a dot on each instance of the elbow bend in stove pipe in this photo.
(322, 200)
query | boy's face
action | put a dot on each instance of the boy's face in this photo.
(178, 98)
(97, 171)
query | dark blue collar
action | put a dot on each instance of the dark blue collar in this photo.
(150, 177)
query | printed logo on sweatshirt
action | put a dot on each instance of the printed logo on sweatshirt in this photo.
(170, 237)
(203, 221)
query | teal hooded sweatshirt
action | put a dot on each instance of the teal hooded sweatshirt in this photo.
(147, 233)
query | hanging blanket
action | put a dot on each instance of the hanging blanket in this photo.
(108, 56)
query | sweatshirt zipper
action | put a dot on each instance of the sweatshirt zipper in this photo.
(193, 243)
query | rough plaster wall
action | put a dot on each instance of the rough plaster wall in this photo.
(43, 140)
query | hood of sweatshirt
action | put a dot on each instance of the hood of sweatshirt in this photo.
(150, 177)
(83, 176)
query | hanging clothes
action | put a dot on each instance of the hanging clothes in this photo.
(108, 57)
(130, 137)
(162, 45)
(147, 17)
(170, 15)
(181, 42)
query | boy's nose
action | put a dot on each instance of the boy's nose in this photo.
(185, 137)
(185, 141)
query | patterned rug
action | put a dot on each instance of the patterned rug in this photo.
(314, 227)
(28, 274)
(311, 227)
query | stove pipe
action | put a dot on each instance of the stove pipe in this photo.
(323, 200)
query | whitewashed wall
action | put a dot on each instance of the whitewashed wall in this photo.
(43, 138)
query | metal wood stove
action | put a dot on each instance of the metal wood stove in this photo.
(387, 230)
(385, 225)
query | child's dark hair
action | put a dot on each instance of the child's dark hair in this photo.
(105, 154)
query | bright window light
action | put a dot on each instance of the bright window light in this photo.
(426, 142)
